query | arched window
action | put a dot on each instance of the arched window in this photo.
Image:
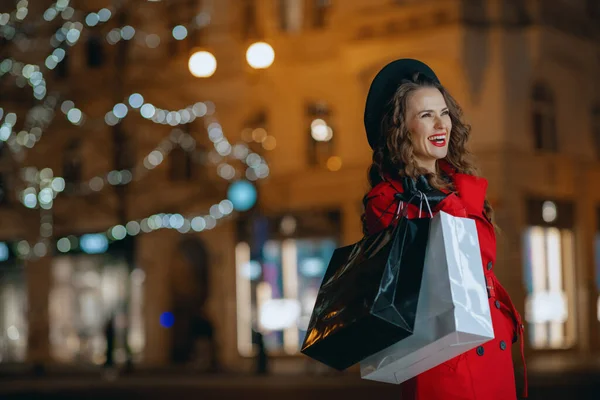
(545, 136)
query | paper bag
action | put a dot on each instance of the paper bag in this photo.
(368, 298)
(453, 313)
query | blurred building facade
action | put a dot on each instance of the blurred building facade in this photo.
(524, 72)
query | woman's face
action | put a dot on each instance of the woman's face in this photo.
(429, 125)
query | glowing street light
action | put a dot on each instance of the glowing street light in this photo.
(260, 55)
(202, 64)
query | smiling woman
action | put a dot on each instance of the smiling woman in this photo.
(429, 122)
(415, 129)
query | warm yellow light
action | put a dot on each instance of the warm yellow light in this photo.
(269, 143)
(202, 64)
(260, 55)
(259, 134)
(334, 163)
(320, 131)
(247, 134)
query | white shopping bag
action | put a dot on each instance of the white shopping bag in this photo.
(453, 312)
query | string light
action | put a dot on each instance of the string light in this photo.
(38, 118)
(6, 29)
(183, 224)
(51, 186)
(153, 40)
(25, 73)
(257, 167)
(42, 187)
(71, 31)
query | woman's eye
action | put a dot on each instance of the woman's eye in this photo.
(425, 115)
(446, 112)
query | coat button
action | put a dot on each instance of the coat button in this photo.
(497, 304)
(502, 345)
(489, 265)
(480, 351)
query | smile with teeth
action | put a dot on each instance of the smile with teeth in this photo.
(438, 140)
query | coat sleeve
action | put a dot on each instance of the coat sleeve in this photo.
(380, 210)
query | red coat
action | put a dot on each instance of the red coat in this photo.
(486, 372)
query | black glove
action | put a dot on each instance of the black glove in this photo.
(412, 188)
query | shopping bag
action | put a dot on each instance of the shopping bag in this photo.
(368, 298)
(453, 313)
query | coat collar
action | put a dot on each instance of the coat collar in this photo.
(470, 188)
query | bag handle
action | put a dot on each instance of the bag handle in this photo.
(402, 211)
(423, 197)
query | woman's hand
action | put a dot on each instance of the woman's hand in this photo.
(413, 188)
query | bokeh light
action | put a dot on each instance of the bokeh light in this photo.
(167, 319)
(242, 195)
(260, 55)
(202, 64)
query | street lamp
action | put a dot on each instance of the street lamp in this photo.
(202, 64)
(260, 55)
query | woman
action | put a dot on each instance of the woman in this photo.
(418, 139)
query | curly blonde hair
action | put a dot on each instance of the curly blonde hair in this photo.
(394, 153)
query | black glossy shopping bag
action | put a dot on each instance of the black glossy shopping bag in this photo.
(368, 298)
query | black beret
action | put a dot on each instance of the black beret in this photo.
(382, 90)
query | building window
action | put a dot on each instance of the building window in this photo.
(95, 293)
(195, 32)
(95, 51)
(257, 135)
(596, 129)
(278, 279)
(320, 134)
(319, 11)
(13, 307)
(544, 119)
(181, 13)
(249, 22)
(291, 15)
(72, 163)
(549, 271)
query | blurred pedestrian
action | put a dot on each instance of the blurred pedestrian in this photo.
(109, 336)
(262, 359)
